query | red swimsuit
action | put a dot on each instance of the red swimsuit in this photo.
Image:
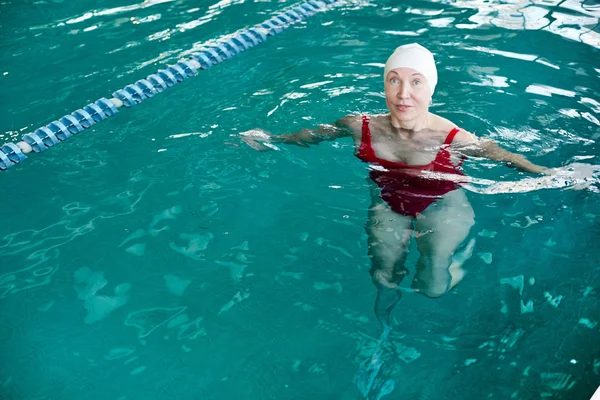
(408, 193)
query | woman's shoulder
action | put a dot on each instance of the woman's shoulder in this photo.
(437, 123)
(349, 120)
(355, 121)
(359, 117)
(445, 125)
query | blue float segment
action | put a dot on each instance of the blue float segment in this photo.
(187, 67)
(254, 35)
(243, 41)
(301, 11)
(241, 44)
(248, 36)
(203, 60)
(59, 129)
(107, 106)
(294, 15)
(146, 87)
(96, 112)
(285, 19)
(13, 152)
(214, 55)
(309, 8)
(48, 137)
(130, 95)
(177, 72)
(227, 52)
(71, 123)
(84, 118)
(167, 77)
(273, 26)
(35, 142)
(157, 82)
(5, 162)
(315, 4)
(223, 54)
(234, 47)
(259, 33)
(125, 97)
(247, 43)
(136, 93)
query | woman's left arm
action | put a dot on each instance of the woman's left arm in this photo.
(468, 144)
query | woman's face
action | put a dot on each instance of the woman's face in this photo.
(407, 94)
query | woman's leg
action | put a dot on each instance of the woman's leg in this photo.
(389, 234)
(439, 230)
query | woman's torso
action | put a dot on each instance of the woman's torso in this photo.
(403, 156)
(404, 147)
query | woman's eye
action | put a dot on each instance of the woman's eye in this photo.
(416, 82)
(394, 81)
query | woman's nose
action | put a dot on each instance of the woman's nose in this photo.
(403, 92)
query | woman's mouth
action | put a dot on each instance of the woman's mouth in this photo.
(403, 108)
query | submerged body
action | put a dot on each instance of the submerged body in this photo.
(402, 208)
(405, 204)
(400, 147)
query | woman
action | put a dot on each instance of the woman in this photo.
(413, 153)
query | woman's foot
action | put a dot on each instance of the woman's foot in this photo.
(384, 304)
(456, 270)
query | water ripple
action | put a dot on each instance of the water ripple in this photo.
(569, 19)
(108, 11)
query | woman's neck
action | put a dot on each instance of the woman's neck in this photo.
(413, 125)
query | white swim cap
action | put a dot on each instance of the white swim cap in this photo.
(416, 57)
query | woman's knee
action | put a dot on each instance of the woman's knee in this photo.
(436, 263)
(432, 290)
(433, 276)
(388, 277)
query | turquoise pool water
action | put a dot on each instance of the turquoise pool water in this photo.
(155, 257)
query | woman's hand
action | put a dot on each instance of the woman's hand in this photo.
(258, 140)
(582, 175)
(575, 176)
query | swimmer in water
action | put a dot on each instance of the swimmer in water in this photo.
(403, 148)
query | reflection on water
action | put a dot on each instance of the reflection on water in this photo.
(571, 19)
(98, 13)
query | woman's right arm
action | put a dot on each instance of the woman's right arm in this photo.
(474, 146)
(261, 140)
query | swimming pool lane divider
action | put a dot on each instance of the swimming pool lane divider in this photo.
(71, 124)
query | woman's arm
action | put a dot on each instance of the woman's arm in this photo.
(260, 140)
(470, 145)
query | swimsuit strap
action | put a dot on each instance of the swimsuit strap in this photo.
(365, 151)
(451, 135)
(366, 132)
(443, 156)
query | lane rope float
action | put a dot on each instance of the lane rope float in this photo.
(71, 124)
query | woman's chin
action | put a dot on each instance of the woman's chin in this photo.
(404, 115)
